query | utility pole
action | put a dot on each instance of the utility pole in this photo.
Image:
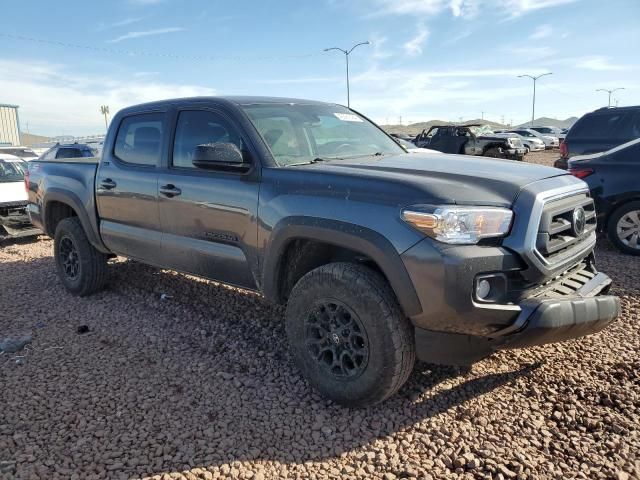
(482, 115)
(346, 56)
(609, 92)
(104, 109)
(535, 79)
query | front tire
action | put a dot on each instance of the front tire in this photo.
(348, 335)
(623, 228)
(81, 268)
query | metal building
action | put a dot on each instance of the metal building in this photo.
(9, 125)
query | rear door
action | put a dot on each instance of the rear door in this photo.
(208, 216)
(127, 187)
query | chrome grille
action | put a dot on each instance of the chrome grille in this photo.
(565, 224)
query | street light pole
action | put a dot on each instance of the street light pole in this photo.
(609, 92)
(346, 55)
(535, 79)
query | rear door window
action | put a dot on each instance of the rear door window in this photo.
(139, 139)
(630, 126)
(69, 153)
(597, 127)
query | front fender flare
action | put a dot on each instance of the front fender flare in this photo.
(354, 237)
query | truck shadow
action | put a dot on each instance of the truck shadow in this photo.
(199, 377)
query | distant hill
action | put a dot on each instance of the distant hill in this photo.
(552, 122)
(29, 139)
(416, 128)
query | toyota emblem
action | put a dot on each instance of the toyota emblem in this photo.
(579, 221)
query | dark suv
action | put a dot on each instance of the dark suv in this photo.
(69, 150)
(600, 131)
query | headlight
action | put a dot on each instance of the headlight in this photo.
(460, 224)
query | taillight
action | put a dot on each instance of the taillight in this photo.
(564, 151)
(581, 172)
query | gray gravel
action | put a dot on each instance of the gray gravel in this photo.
(198, 384)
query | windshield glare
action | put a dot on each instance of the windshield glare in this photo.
(299, 134)
(11, 171)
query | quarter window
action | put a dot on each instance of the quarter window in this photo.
(139, 139)
(199, 127)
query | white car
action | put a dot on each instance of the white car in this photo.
(25, 153)
(14, 220)
(411, 148)
(549, 141)
(532, 144)
(552, 131)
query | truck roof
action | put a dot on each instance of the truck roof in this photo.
(232, 99)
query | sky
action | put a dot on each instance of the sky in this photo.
(427, 59)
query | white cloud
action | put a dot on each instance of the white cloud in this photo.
(146, 2)
(542, 31)
(56, 100)
(146, 33)
(414, 46)
(599, 64)
(120, 23)
(464, 8)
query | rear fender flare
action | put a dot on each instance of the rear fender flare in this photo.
(73, 201)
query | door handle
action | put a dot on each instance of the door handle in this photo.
(170, 191)
(108, 184)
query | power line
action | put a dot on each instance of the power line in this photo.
(144, 53)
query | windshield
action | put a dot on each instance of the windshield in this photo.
(479, 131)
(11, 171)
(299, 134)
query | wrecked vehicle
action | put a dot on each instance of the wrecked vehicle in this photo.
(14, 221)
(380, 255)
(475, 139)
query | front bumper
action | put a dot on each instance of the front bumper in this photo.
(15, 222)
(515, 153)
(457, 329)
(552, 320)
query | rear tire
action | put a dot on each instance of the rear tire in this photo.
(81, 267)
(348, 335)
(623, 228)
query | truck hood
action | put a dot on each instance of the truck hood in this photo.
(449, 179)
(12, 192)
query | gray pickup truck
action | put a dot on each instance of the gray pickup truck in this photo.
(380, 255)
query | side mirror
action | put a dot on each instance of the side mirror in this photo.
(216, 155)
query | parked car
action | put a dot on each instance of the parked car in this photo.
(549, 140)
(25, 153)
(614, 181)
(380, 255)
(411, 147)
(14, 221)
(69, 150)
(470, 140)
(531, 144)
(600, 131)
(560, 133)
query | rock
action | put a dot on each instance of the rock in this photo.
(14, 344)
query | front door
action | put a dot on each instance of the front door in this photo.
(208, 216)
(127, 187)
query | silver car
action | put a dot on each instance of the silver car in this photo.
(532, 144)
(549, 141)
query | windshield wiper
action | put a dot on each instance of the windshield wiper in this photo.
(315, 160)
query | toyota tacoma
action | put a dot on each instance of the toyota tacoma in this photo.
(379, 255)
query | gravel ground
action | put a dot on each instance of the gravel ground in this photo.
(199, 385)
